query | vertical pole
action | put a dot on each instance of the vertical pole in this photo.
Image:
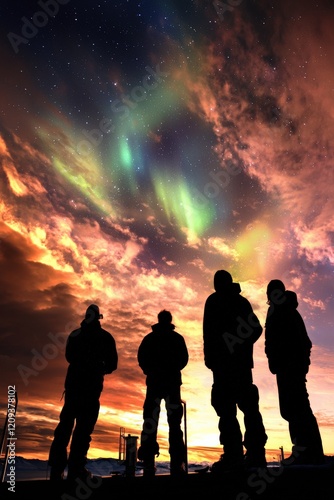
(130, 455)
(121, 444)
(185, 432)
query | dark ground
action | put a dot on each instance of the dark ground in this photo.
(275, 483)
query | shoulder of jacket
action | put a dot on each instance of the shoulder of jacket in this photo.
(108, 337)
(212, 296)
(178, 338)
(241, 298)
(105, 332)
(244, 301)
(147, 338)
(74, 333)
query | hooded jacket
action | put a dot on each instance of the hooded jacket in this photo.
(230, 329)
(91, 354)
(162, 355)
(287, 344)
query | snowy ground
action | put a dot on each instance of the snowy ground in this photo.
(38, 469)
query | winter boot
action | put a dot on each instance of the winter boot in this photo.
(255, 458)
(228, 463)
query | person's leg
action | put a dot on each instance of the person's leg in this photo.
(62, 434)
(177, 449)
(296, 409)
(149, 447)
(223, 401)
(87, 415)
(255, 435)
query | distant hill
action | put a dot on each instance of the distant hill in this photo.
(28, 469)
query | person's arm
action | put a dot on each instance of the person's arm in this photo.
(252, 325)
(111, 361)
(270, 352)
(209, 335)
(71, 346)
(142, 356)
(303, 344)
(184, 355)
(276, 349)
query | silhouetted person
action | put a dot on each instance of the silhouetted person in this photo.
(288, 349)
(230, 328)
(162, 355)
(91, 354)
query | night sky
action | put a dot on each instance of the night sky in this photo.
(144, 145)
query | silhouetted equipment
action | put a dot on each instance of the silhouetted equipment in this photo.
(130, 455)
(185, 432)
(282, 453)
(8, 439)
(121, 446)
(128, 452)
